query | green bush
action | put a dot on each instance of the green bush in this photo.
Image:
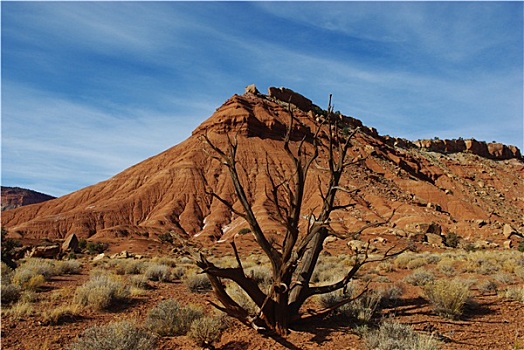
(96, 247)
(452, 240)
(101, 292)
(170, 318)
(115, 336)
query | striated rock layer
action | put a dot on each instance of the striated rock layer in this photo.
(473, 194)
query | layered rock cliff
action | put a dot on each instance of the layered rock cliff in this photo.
(170, 191)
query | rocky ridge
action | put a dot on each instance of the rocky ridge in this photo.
(472, 193)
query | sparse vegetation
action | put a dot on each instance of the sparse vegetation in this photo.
(118, 335)
(420, 277)
(396, 336)
(206, 331)
(158, 272)
(101, 292)
(447, 296)
(198, 283)
(169, 318)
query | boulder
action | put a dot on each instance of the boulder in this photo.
(434, 239)
(508, 231)
(429, 228)
(70, 243)
(508, 244)
(360, 246)
(46, 252)
(99, 257)
(124, 254)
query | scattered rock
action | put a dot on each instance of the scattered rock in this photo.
(99, 257)
(508, 231)
(482, 244)
(508, 244)
(359, 246)
(70, 243)
(46, 252)
(124, 254)
(434, 239)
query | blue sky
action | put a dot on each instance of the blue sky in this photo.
(91, 88)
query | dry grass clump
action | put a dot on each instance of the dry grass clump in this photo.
(420, 277)
(118, 335)
(19, 310)
(158, 272)
(206, 331)
(261, 274)
(101, 292)
(198, 283)
(169, 318)
(61, 314)
(402, 261)
(514, 293)
(416, 263)
(446, 267)
(396, 336)
(448, 296)
(67, 267)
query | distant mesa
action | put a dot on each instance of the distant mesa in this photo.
(15, 197)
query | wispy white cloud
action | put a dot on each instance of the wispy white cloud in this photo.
(92, 88)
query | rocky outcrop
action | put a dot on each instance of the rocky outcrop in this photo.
(487, 150)
(15, 197)
(289, 96)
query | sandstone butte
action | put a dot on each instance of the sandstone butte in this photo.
(467, 187)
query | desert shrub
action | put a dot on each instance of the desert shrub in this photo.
(170, 318)
(503, 278)
(118, 335)
(10, 293)
(433, 258)
(521, 246)
(446, 267)
(96, 247)
(158, 272)
(68, 267)
(396, 336)
(447, 296)
(391, 295)
(420, 277)
(401, 261)
(34, 267)
(178, 272)
(164, 260)
(139, 281)
(206, 330)
(452, 240)
(198, 283)
(487, 287)
(416, 263)
(101, 291)
(514, 293)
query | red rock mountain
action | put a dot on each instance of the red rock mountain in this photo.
(14, 197)
(470, 192)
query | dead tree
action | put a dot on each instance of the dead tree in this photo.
(294, 259)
